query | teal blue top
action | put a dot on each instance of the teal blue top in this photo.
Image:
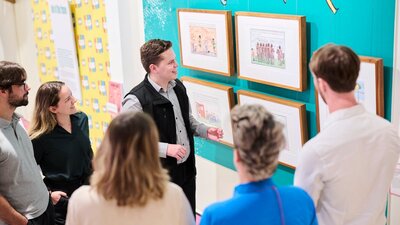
(257, 203)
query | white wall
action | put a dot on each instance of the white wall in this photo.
(8, 32)
(214, 183)
(396, 71)
(125, 28)
(17, 44)
(394, 201)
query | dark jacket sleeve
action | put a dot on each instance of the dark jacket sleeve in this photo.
(83, 122)
(38, 150)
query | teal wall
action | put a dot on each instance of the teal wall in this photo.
(367, 26)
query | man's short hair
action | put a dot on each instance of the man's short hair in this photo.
(151, 50)
(337, 65)
(11, 73)
(258, 138)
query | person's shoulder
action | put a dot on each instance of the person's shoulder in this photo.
(219, 211)
(81, 191)
(5, 144)
(85, 196)
(179, 84)
(219, 208)
(80, 115)
(293, 190)
(313, 146)
(295, 195)
(173, 190)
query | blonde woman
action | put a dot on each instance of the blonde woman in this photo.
(128, 185)
(60, 138)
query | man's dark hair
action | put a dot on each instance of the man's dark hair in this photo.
(337, 65)
(11, 73)
(150, 52)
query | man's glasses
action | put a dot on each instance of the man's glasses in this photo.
(20, 84)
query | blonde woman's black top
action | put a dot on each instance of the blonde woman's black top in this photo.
(65, 158)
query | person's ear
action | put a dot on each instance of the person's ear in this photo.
(322, 85)
(153, 68)
(53, 109)
(236, 156)
(3, 91)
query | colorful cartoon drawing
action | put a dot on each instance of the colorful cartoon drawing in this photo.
(206, 109)
(39, 33)
(201, 112)
(102, 87)
(95, 4)
(43, 69)
(88, 22)
(268, 48)
(104, 22)
(359, 91)
(203, 39)
(95, 105)
(85, 82)
(98, 42)
(44, 16)
(92, 64)
(47, 53)
(81, 42)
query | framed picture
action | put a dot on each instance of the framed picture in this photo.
(271, 49)
(205, 38)
(211, 104)
(291, 114)
(368, 91)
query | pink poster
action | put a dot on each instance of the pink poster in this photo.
(115, 98)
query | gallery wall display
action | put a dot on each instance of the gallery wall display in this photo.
(368, 91)
(211, 104)
(396, 74)
(205, 38)
(271, 49)
(291, 114)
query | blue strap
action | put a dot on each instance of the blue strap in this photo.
(278, 197)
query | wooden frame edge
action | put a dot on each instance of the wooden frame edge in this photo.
(229, 40)
(302, 51)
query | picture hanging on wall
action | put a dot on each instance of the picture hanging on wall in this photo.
(205, 38)
(368, 91)
(291, 114)
(271, 49)
(211, 104)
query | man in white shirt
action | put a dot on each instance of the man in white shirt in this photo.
(347, 168)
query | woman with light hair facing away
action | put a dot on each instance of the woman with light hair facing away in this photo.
(258, 139)
(128, 185)
(60, 138)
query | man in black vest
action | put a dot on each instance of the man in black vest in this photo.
(164, 97)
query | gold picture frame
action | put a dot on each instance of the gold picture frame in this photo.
(271, 49)
(291, 114)
(369, 90)
(211, 104)
(205, 40)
